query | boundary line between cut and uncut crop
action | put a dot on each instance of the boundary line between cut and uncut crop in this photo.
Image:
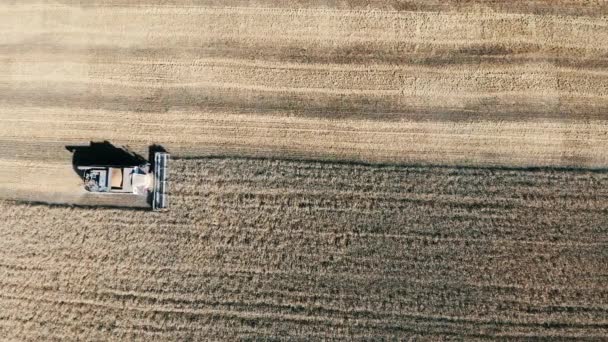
(555, 168)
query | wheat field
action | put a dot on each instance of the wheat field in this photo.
(257, 248)
(343, 169)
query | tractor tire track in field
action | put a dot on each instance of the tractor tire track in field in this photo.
(277, 248)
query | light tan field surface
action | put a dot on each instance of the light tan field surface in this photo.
(513, 83)
(459, 189)
(290, 249)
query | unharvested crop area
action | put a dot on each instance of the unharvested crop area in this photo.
(345, 169)
(267, 248)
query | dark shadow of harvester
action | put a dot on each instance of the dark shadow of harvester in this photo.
(109, 169)
(102, 153)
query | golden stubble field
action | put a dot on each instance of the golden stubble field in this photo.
(344, 169)
(456, 83)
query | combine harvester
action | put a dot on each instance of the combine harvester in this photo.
(130, 176)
